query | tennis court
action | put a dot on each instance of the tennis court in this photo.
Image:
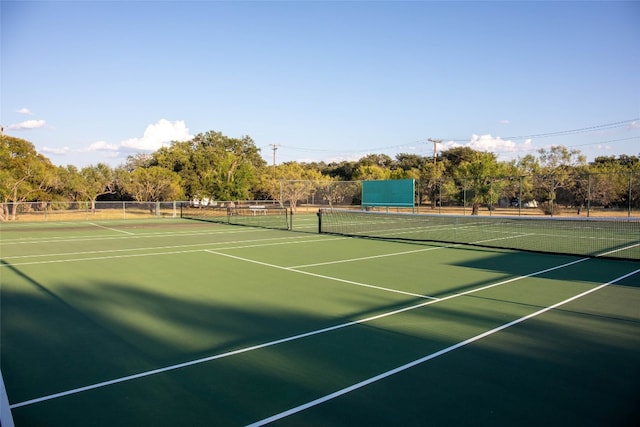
(181, 322)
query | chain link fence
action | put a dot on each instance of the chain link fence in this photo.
(593, 194)
(76, 211)
(586, 195)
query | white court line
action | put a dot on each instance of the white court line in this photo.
(335, 279)
(111, 229)
(619, 250)
(314, 240)
(428, 357)
(282, 340)
(368, 257)
(106, 251)
(100, 258)
(134, 236)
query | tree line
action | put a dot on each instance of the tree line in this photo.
(212, 166)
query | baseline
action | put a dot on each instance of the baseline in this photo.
(106, 251)
(132, 236)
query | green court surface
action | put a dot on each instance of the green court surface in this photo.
(175, 322)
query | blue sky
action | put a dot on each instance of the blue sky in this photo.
(89, 81)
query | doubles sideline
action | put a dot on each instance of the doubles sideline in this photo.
(428, 357)
(303, 335)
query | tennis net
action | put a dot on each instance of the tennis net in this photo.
(252, 215)
(611, 238)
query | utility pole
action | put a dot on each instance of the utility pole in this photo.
(274, 147)
(435, 142)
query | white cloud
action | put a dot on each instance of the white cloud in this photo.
(28, 124)
(102, 146)
(25, 110)
(502, 148)
(56, 151)
(490, 143)
(157, 135)
(504, 122)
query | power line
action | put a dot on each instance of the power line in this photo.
(606, 126)
(613, 125)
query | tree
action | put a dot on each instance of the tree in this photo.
(407, 161)
(381, 160)
(96, 181)
(295, 183)
(139, 160)
(478, 177)
(25, 175)
(154, 184)
(213, 166)
(555, 171)
(372, 172)
(69, 183)
(180, 158)
(431, 178)
(344, 171)
(611, 180)
(456, 156)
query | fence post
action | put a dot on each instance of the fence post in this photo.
(588, 195)
(553, 192)
(490, 196)
(520, 197)
(439, 197)
(464, 196)
(629, 198)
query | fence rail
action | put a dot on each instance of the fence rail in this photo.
(608, 194)
(70, 211)
(585, 195)
(80, 211)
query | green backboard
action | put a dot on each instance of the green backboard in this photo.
(391, 193)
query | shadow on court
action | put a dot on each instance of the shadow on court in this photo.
(576, 365)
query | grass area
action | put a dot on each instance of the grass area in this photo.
(175, 322)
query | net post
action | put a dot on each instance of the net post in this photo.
(319, 213)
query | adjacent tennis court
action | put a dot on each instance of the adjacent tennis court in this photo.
(181, 322)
